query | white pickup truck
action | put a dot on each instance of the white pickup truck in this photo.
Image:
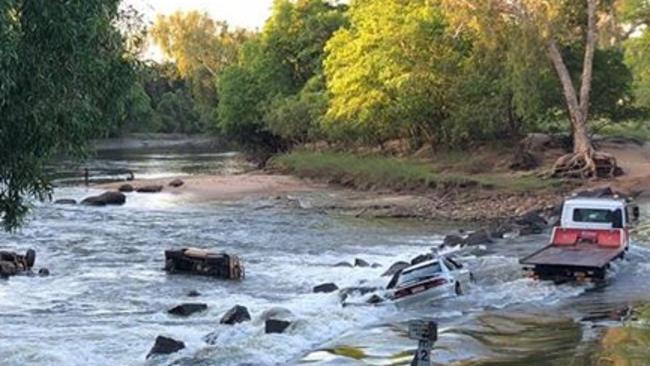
(593, 232)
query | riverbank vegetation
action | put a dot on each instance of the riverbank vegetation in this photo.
(449, 171)
(441, 74)
(438, 73)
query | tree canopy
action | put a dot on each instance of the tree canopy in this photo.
(60, 83)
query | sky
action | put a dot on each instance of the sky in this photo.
(249, 14)
(243, 13)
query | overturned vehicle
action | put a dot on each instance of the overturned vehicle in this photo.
(204, 262)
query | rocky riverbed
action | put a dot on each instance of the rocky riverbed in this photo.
(108, 298)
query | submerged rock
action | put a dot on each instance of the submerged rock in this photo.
(165, 346)
(358, 262)
(276, 326)
(193, 293)
(126, 188)
(43, 272)
(395, 267)
(106, 198)
(149, 189)
(326, 288)
(343, 264)
(187, 309)
(176, 183)
(65, 201)
(375, 299)
(237, 314)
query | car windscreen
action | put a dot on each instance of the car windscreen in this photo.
(599, 216)
(419, 274)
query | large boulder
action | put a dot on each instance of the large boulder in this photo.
(12, 263)
(395, 267)
(106, 198)
(165, 346)
(237, 314)
(152, 188)
(325, 288)
(65, 201)
(126, 188)
(187, 309)
(276, 326)
(176, 183)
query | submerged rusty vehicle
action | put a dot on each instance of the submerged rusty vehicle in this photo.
(12, 263)
(593, 232)
(204, 262)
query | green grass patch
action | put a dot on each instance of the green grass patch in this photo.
(638, 130)
(401, 174)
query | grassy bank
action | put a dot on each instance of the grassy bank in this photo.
(448, 171)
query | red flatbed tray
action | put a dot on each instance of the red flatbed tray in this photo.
(579, 255)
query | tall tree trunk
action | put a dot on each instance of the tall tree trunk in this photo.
(584, 161)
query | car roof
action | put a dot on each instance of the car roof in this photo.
(422, 264)
(606, 203)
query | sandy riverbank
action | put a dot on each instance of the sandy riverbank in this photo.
(227, 187)
(470, 205)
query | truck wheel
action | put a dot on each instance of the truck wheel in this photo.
(458, 289)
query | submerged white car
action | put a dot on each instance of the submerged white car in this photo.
(428, 281)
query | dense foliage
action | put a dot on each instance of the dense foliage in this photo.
(60, 83)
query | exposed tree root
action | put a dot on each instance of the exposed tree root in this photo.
(589, 164)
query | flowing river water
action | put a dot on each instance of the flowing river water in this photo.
(106, 299)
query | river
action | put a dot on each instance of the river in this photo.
(106, 299)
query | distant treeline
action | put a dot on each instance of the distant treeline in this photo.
(374, 70)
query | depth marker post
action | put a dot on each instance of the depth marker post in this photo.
(426, 333)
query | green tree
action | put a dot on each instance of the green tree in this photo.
(201, 48)
(276, 65)
(389, 73)
(63, 72)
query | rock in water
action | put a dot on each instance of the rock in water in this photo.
(326, 288)
(65, 201)
(106, 198)
(452, 241)
(43, 272)
(193, 293)
(275, 326)
(187, 309)
(478, 237)
(176, 183)
(237, 314)
(165, 346)
(343, 264)
(278, 313)
(358, 262)
(375, 299)
(395, 267)
(126, 188)
(149, 189)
